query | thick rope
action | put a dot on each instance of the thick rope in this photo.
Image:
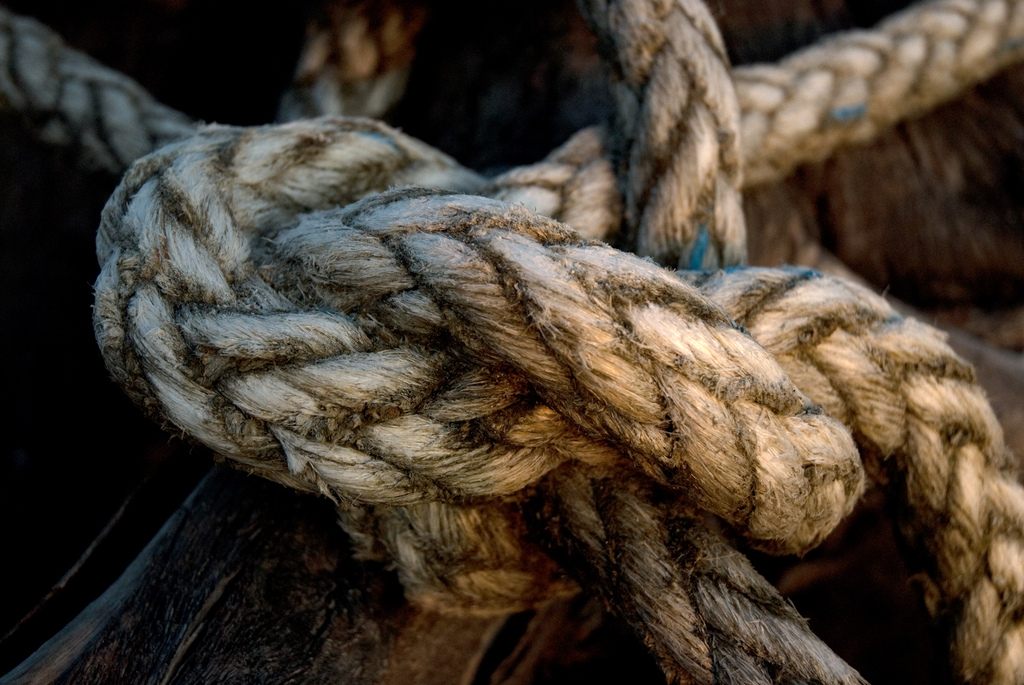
(70, 99)
(679, 125)
(575, 185)
(429, 359)
(916, 413)
(697, 604)
(376, 354)
(873, 79)
(851, 87)
(419, 353)
(911, 402)
(356, 60)
(615, 346)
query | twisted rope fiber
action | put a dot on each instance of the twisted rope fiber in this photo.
(679, 125)
(465, 516)
(573, 321)
(845, 89)
(851, 87)
(70, 99)
(308, 248)
(913, 403)
(417, 462)
(696, 602)
(355, 61)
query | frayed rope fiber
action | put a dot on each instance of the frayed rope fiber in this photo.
(690, 130)
(503, 408)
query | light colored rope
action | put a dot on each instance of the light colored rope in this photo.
(851, 87)
(70, 99)
(870, 81)
(574, 184)
(426, 358)
(431, 360)
(614, 346)
(417, 355)
(686, 123)
(913, 404)
(678, 120)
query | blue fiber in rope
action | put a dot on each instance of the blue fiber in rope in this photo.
(700, 247)
(849, 112)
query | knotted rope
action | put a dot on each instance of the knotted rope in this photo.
(502, 407)
(428, 358)
(431, 359)
(612, 344)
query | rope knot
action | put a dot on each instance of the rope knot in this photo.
(420, 348)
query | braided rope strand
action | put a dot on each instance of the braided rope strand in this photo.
(913, 403)
(868, 82)
(70, 99)
(697, 603)
(851, 87)
(679, 119)
(429, 359)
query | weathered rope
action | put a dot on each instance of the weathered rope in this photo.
(912, 402)
(376, 353)
(851, 87)
(520, 293)
(696, 602)
(418, 354)
(355, 61)
(679, 123)
(443, 365)
(911, 63)
(70, 99)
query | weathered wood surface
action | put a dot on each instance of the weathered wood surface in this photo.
(249, 583)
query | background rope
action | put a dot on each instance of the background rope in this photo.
(355, 61)
(851, 87)
(845, 89)
(70, 99)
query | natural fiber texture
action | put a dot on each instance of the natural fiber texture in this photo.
(70, 99)
(502, 407)
(679, 124)
(522, 294)
(575, 185)
(355, 61)
(428, 358)
(850, 87)
(911, 402)
(870, 81)
(698, 605)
